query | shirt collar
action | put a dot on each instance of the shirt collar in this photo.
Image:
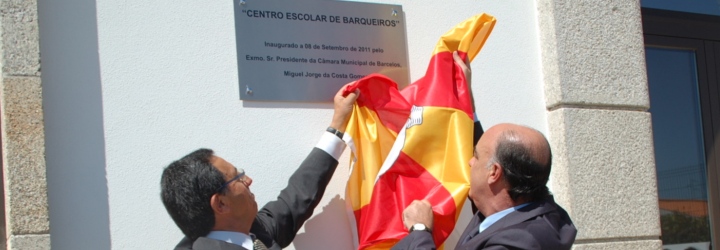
(499, 215)
(236, 238)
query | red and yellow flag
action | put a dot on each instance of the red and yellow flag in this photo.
(414, 144)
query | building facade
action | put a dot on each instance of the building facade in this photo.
(99, 96)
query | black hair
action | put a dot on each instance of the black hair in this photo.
(186, 188)
(526, 176)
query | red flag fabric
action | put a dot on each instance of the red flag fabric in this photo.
(414, 144)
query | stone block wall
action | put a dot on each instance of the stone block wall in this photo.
(25, 217)
(601, 133)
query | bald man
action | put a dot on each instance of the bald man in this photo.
(509, 171)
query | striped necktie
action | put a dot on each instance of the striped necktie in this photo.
(258, 245)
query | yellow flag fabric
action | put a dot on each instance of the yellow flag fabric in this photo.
(414, 144)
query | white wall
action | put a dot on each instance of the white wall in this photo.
(169, 85)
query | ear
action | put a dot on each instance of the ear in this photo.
(495, 173)
(217, 204)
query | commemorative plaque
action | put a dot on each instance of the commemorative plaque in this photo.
(304, 51)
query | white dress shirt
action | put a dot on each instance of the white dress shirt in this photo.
(236, 238)
(499, 215)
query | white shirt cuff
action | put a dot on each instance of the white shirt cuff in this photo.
(331, 144)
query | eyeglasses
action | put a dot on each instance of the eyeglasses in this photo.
(241, 176)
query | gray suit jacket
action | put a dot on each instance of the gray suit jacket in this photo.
(278, 221)
(540, 225)
(203, 243)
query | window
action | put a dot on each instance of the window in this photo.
(683, 61)
(708, 7)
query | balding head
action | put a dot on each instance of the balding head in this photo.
(524, 156)
(532, 140)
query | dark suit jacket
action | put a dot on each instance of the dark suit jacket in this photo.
(278, 221)
(540, 225)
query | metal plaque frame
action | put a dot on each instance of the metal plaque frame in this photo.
(304, 51)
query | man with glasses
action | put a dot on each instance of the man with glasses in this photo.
(211, 202)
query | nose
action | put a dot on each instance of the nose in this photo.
(470, 162)
(248, 181)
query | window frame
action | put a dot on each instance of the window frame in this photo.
(701, 33)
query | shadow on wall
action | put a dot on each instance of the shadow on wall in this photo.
(327, 229)
(74, 136)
